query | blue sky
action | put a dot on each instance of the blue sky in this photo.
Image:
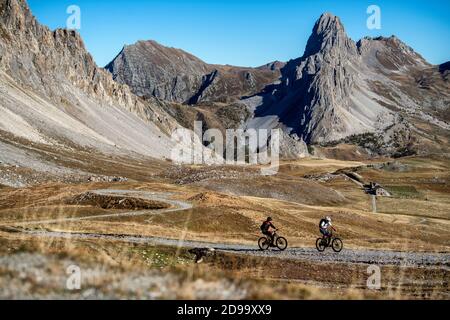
(245, 33)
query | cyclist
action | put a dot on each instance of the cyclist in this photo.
(325, 227)
(268, 229)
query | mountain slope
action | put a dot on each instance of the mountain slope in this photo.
(412, 84)
(53, 98)
(340, 88)
(321, 97)
(53, 92)
(151, 69)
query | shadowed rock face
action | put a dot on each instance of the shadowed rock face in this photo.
(37, 57)
(53, 93)
(340, 88)
(151, 69)
(321, 96)
(329, 35)
(444, 69)
(337, 89)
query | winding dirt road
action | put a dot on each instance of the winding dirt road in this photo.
(379, 257)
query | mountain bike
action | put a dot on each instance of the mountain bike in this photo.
(334, 242)
(265, 242)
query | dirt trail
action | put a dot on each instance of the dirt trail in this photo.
(155, 196)
(379, 257)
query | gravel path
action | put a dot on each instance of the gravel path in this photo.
(379, 257)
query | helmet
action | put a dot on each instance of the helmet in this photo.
(328, 219)
(269, 219)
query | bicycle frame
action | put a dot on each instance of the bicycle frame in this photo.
(329, 240)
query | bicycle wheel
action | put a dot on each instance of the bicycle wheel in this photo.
(282, 243)
(337, 245)
(264, 244)
(320, 245)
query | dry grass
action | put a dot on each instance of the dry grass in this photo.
(260, 278)
(336, 279)
(415, 219)
(118, 261)
(418, 221)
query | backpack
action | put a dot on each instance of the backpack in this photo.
(323, 221)
(264, 227)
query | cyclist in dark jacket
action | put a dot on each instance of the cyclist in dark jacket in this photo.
(268, 229)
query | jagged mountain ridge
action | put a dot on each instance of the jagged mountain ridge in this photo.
(54, 94)
(337, 89)
(340, 88)
(151, 69)
(311, 98)
(414, 85)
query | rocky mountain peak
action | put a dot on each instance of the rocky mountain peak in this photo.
(328, 34)
(16, 13)
(322, 96)
(389, 53)
(175, 75)
(328, 22)
(54, 93)
(275, 65)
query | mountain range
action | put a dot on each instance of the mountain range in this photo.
(53, 93)
(376, 93)
(338, 90)
(170, 74)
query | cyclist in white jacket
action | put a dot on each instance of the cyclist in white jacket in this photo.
(326, 227)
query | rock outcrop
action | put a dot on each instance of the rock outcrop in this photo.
(53, 93)
(337, 91)
(321, 96)
(340, 89)
(170, 74)
(369, 92)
